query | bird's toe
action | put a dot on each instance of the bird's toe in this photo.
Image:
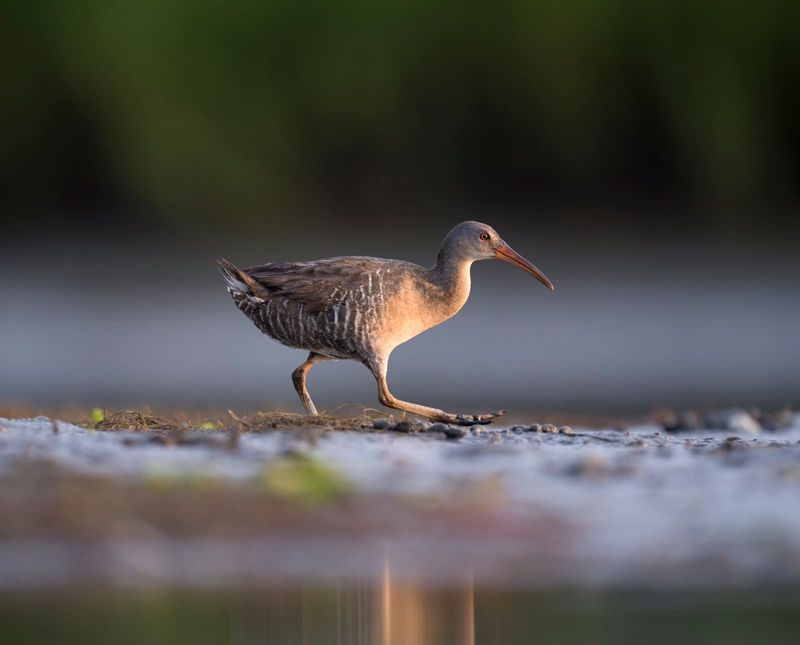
(477, 419)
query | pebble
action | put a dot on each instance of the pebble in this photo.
(684, 422)
(543, 427)
(730, 419)
(734, 420)
(437, 427)
(743, 422)
(731, 442)
(454, 432)
(403, 426)
(780, 420)
(381, 424)
(594, 464)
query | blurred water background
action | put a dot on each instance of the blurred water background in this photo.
(627, 328)
(645, 156)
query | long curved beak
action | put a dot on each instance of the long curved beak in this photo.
(507, 254)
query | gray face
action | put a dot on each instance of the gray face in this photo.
(473, 241)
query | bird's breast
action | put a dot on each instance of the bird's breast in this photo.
(419, 304)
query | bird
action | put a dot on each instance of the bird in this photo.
(361, 308)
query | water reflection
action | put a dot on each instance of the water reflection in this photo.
(406, 616)
(393, 610)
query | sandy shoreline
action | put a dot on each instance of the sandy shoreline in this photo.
(598, 506)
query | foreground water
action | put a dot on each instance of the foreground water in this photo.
(504, 536)
(401, 613)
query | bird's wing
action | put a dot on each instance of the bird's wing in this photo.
(316, 284)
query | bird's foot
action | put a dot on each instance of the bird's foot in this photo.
(471, 419)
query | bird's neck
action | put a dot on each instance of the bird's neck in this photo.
(451, 275)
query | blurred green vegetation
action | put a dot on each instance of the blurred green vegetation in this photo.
(248, 109)
(304, 479)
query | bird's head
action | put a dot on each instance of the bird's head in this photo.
(475, 241)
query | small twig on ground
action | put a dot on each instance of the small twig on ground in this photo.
(238, 419)
(365, 411)
(234, 434)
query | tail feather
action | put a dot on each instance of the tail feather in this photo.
(238, 281)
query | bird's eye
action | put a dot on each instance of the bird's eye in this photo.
(484, 236)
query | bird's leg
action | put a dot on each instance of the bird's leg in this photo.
(299, 380)
(389, 400)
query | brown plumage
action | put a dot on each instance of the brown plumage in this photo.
(361, 308)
